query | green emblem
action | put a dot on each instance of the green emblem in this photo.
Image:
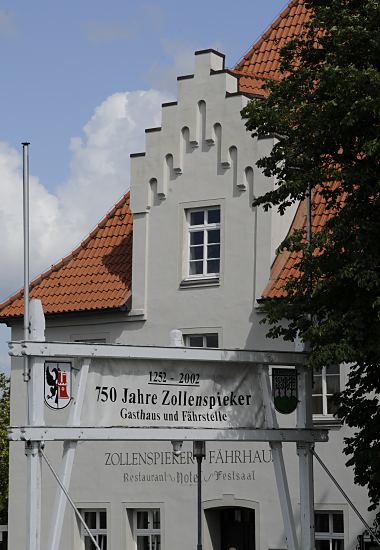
(284, 389)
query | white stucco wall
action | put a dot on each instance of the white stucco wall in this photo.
(201, 156)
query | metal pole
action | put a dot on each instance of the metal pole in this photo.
(346, 497)
(199, 464)
(25, 179)
(70, 500)
(199, 452)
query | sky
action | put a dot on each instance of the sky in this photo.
(80, 81)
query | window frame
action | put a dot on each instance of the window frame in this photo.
(186, 281)
(204, 336)
(325, 414)
(98, 530)
(330, 536)
(149, 531)
(206, 228)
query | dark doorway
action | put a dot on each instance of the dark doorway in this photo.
(237, 528)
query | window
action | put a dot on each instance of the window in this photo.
(210, 340)
(203, 242)
(326, 384)
(147, 529)
(329, 531)
(96, 521)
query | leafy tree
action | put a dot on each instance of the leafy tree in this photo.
(325, 112)
(4, 447)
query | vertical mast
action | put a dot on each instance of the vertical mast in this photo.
(25, 147)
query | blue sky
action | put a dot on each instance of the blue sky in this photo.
(80, 80)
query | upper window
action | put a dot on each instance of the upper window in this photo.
(96, 521)
(209, 340)
(147, 529)
(329, 531)
(203, 242)
(326, 384)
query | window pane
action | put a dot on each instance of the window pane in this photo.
(214, 216)
(156, 542)
(317, 404)
(338, 523)
(196, 268)
(212, 341)
(317, 384)
(196, 341)
(156, 519)
(337, 544)
(322, 545)
(142, 520)
(102, 542)
(88, 544)
(213, 251)
(197, 217)
(103, 520)
(90, 519)
(332, 383)
(213, 266)
(332, 369)
(196, 253)
(196, 237)
(332, 407)
(143, 543)
(322, 523)
(213, 236)
(100, 539)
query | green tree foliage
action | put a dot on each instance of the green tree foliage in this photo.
(325, 112)
(4, 447)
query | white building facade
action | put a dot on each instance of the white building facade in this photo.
(201, 258)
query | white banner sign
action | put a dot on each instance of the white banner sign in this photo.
(166, 394)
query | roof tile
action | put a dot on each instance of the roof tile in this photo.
(95, 276)
(255, 64)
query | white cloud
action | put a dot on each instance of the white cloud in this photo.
(99, 176)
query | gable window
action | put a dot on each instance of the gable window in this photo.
(326, 383)
(329, 531)
(147, 529)
(203, 242)
(96, 521)
(208, 340)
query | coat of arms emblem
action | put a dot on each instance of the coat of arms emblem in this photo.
(284, 389)
(57, 384)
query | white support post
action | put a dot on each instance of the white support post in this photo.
(278, 462)
(69, 448)
(35, 391)
(305, 458)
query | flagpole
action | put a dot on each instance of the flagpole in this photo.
(25, 147)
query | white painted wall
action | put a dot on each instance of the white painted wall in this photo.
(211, 162)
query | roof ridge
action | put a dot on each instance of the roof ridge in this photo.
(275, 24)
(66, 259)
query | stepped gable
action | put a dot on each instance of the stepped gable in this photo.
(95, 276)
(262, 61)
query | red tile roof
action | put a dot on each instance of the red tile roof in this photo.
(262, 62)
(95, 276)
(284, 266)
